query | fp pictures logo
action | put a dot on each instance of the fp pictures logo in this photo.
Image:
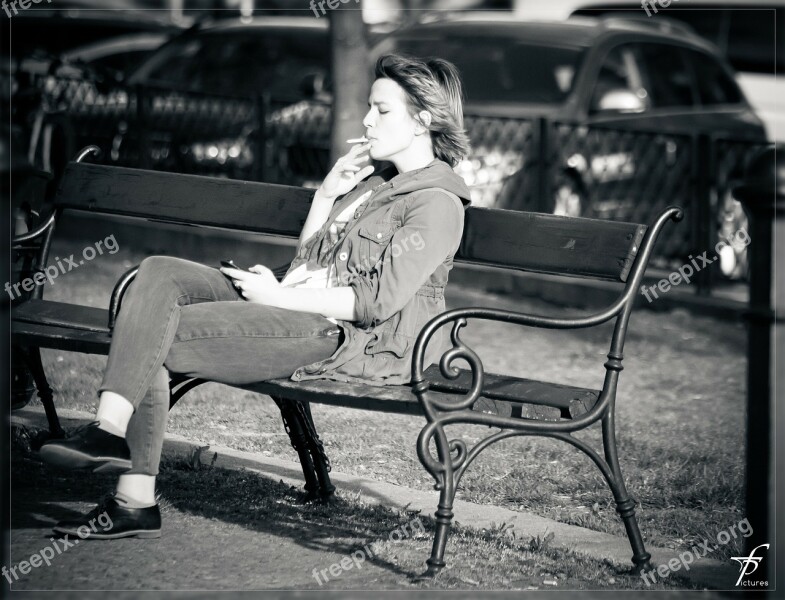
(749, 564)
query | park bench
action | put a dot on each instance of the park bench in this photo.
(443, 394)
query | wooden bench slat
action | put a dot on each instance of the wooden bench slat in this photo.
(59, 338)
(546, 243)
(61, 314)
(572, 401)
(187, 199)
(535, 242)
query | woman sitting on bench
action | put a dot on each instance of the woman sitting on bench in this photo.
(370, 271)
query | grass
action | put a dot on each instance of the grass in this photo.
(227, 507)
(680, 416)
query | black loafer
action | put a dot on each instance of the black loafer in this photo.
(89, 448)
(111, 520)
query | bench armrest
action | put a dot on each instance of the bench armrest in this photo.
(35, 233)
(118, 292)
(458, 317)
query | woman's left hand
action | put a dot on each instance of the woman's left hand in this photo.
(257, 286)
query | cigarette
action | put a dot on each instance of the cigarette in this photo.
(357, 140)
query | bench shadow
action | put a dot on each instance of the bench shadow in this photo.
(242, 498)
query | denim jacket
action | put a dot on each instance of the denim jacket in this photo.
(395, 253)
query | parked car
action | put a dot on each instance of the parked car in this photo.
(192, 105)
(51, 29)
(744, 32)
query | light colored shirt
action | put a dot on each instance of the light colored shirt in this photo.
(310, 275)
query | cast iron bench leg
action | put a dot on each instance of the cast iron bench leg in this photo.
(444, 513)
(318, 454)
(22, 385)
(295, 427)
(625, 505)
(32, 357)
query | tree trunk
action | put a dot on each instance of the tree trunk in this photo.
(351, 76)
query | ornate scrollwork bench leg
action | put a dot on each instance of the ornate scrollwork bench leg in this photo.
(298, 434)
(446, 484)
(320, 460)
(32, 358)
(453, 457)
(625, 505)
(298, 422)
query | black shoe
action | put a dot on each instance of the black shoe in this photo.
(111, 520)
(89, 447)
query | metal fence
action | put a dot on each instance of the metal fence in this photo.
(516, 163)
(146, 127)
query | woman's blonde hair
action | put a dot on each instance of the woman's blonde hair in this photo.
(432, 84)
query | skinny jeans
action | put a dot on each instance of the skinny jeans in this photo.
(183, 317)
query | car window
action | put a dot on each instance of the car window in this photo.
(715, 86)
(239, 65)
(752, 41)
(668, 80)
(503, 69)
(619, 72)
(746, 33)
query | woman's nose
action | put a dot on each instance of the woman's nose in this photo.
(368, 119)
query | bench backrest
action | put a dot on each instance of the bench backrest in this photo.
(510, 239)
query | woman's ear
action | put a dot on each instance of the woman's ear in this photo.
(423, 119)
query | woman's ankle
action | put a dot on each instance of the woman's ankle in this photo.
(113, 414)
(136, 490)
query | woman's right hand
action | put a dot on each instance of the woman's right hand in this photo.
(346, 173)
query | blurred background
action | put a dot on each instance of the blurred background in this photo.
(599, 109)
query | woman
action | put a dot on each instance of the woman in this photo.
(369, 272)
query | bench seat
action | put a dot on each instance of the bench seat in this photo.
(71, 327)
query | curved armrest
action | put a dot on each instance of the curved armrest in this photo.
(35, 233)
(46, 226)
(118, 292)
(460, 350)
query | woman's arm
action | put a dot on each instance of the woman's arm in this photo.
(335, 302)
(260, 285)
(317, 215)
(342, 178)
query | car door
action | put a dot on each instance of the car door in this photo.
(639, 111)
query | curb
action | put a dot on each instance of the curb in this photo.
(704, 572)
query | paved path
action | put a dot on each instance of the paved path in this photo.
(182, 558)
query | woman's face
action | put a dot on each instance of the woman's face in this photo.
(388, 123)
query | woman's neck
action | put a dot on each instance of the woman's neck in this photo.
(414, 157)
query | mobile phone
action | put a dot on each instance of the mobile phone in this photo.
(229, 264)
